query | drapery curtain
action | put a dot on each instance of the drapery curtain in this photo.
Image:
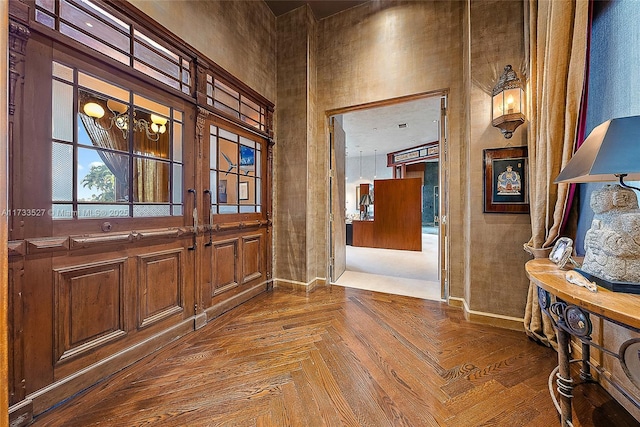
(557, 34)
(150, 176)
(103, 135)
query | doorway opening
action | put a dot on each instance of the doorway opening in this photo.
(370, 146)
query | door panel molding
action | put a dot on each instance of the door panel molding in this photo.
(89, 307)
(157, 303)
(251, 258)
(225, 265)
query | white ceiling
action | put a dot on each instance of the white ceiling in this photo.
(377, 128)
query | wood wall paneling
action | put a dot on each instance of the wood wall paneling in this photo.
(160, 288)
(225, 265)
(38, 323)
(15, 351)
(251, 258)
(363, 234)
(89, 307)
(85, 303)
(398, 213)
(397, 218)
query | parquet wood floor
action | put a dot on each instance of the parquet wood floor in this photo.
(338, 357)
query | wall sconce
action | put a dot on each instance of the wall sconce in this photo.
(508, 102)
(612, 249)
(120, 118)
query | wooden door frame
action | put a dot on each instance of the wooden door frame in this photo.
(4, 260)
(443, 189)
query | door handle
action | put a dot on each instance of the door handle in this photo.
(195, 220)
(210, 242)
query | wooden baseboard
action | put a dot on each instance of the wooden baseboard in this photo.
(299, 286)
(21, 414)
(227, 304)
(39, 401)
(489, 319)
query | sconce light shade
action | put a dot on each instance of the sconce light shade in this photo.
(611, 151)
(120, 117)
(508, 102)
(117, 107)
(93, 110)
(158, 123)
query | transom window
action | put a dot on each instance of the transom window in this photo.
(235, 170)
(91, 25)
(115, 153)
(224, 98)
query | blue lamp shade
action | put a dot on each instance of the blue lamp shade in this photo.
(611, 151)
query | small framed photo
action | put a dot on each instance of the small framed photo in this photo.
(506, 186)
(561, 251)
(222, 191)
(243, 190)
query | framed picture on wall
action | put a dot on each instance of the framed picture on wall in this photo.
(506, 186)
(243, 190)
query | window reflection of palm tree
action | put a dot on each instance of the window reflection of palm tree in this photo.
(231, 164)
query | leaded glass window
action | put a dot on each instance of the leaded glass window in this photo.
(115, 153)
(235, 171)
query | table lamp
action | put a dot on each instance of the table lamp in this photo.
(365, 202)
(611, 152)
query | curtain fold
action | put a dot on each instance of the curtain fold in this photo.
(150, 175)
(103, 135)
(557, 35)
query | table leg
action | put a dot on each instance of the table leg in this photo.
(585, 371)
(564, 380)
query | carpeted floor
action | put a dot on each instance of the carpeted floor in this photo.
(408, 273)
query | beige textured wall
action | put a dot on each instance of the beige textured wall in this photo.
(497, 282)
(376, 51)
(237, 35)
(383, 50)
(292, 153)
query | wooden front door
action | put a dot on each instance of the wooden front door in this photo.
(234, 245)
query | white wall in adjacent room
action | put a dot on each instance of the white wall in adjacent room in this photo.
(370, 170)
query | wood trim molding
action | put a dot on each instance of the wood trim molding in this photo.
(4, 251)
(226, 226)
(66, 346)
(227, 304)
(18, 36)
(69, 243)
(46, 397)
(17, 248)
(299, 286)
(51, 244)
(485, 318)
(145, 285)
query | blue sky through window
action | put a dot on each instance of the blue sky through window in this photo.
(86, 159)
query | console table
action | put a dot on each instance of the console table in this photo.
(570, 315)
